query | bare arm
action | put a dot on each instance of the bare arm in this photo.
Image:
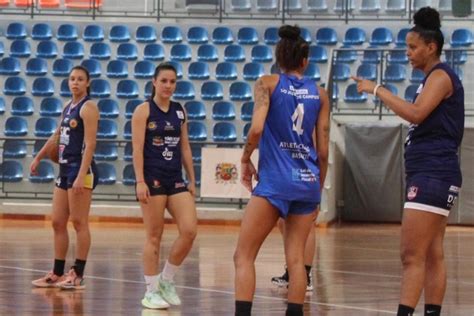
(52, 140)
(90, 116)
(322, 136)
(140, 115)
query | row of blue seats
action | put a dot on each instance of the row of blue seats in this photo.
(221, 35)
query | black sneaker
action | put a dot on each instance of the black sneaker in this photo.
(309, 285)
(281, 281)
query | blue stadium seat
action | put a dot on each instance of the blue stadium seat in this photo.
(352, 96)
(14, 86)
(16, 31)
(100, 51)
(128, 175)
(100, 88)
(261, 54)
(241, 5)
(45, 173)
(240, 91)
(41, 32)
(396, 7)
(107, 129)
(226, 71)
(127, 89)
(67, 32)
(207, 52)
(312, 72)
(397, 57)
(20, 49)
(223, 111)
(274, 69)
(224, 132)
(11, 171)
(334, 96)
(197, 35)
(16, 126)
(253, 71)
(108, 108)
(418, 4)
(395, 73)
(212, 90)
(2, 49)
(410, 92)
(267, 5)
(45, 127)
(198, 70)
(196, 152)
(417, 76)
(445, 7)
(247, 111)
(64, 89)
(318, 54)
(367, 71)
(148, 90)
(178, 67)
(197, 131)
(22, 106)
(127, 130)
(10, 66)
(47, 49)
(107, 174)
(2, 106)
(317, 6)
(119, 33)
(197, 174)
(130, 107)
(127, 51)
(294, 6)
(306, 35)
(184, 90)
(371, 55)
(461, 38)
(456, 57)
(459, 72)
(93, 33)
(346, 55)
(196, 110)
(271, 37)
(62, 67)
(154, 52)
(73, 50)
(14, 149)
(234, 53)
(39, 143)
(171, 35)
(381, 36)
(341, 72)
(51, 106)
(222, 35)
(247, 36)
(145, 34)
(245, 131)
(370, 6)
(144, 69)
(341, 6)
(354, 36)
(128, 152)
(181, 52)
(93, 66)
(326, 36)
(117, 69)
(401, 37)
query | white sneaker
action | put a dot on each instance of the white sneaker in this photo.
(154, 300)
(168, 291)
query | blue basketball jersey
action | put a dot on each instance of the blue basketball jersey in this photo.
(431, 147)
(162, 151)
(287, 166)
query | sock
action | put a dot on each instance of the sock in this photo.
(243, 308)
(79, 266)
(294, 309)
(432, 310)
(169, 271)
(404, 310)
(151, 282)
(59, 267)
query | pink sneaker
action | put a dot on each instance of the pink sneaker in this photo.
(49, 280)
(72, 282)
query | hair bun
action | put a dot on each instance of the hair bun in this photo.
(427, 18)
(289, 32)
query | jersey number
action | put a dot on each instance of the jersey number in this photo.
(297, 119)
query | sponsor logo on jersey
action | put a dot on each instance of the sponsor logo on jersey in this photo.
(454, 188)
(168, 126)
(158, 141)
(180, 114)
(168, 155)
(73, 123)
(412, 192)
(178, 185)
(152, 125)
(156, 184)
(303, 175)
(226, 173)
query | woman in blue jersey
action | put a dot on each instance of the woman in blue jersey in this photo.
(76, 137)
(291, 168)
(433, 175)
(160, 150)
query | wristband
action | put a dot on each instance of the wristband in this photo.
(375, 89)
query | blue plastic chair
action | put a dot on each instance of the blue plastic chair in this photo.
(22, 106)
(45, 173)
(395, 73)
(222, 35)
(418, 4)
(67, 32)
(128, 175)
(261, 54)
(41, 32)
(2, 106)
(410, 92)
(212, 90)
(178, 67)
(197, 131)
(456, 57)
(253, 71)
(181, 52)
(226, 71)
(234, 53)
(145, 34)
(14, 86)
(223, 111)
(247, 36)
(127, 89)
(73, 50)
(148, 90)
(93, 66)
(198, 70)
(417, 76)
(326, 36)
(171, 35)
(401, 37)
(51, 107)
(130, 107)
(16, 31)
(128, 152)
(108, 108)
(397, 57)
(317, 6)
(47, 49)
(2, 49)
(107, 129)
(274, 69)
(107, 174)
(39, 143)
(371, 55)
(346, 55)
(62, 67)
(106, 151)
(64, 89)
(370, 6)
(312, 72)
(341, 72)
(14, 149)
(340, 6)
(352, 96)
(11, 171)
(240, 91)
(45, 127)
(20, 49)
(367, 71)
(196, 152)
(224, 132)
(16, 126)
(154, 52)
(100, 51)
(247, 111)
(271, 37)
(196, 110)
(10, 66)
(184, 90)
(144, 69)
(100, 88)
(396, 7)
(306, 35)
(127, 51)
(267, 5)
(127, 130)
(197, 35)
(318, 54)
(381, 36)
(119, 34)
(354, 36)
(93, 33)
(207, 53)
(241, 5)
(461, 38)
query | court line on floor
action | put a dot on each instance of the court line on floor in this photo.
(217, 291)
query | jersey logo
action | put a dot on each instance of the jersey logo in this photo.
(412, 192)
(297, 119)
(168, 155)
(180, 114)
(168, 126)
(152, 126)
(158, 141)
(73, 123)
